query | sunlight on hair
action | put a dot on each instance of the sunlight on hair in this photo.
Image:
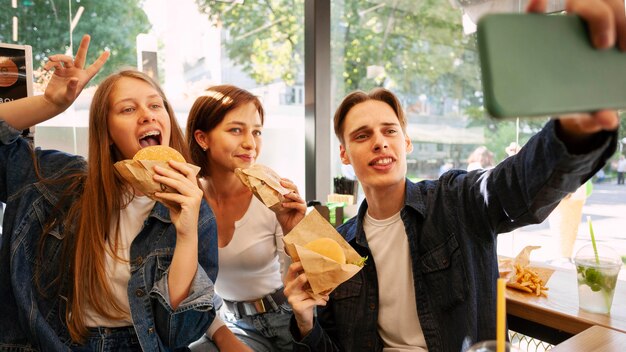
(226, 100)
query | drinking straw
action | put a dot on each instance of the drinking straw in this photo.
(593, 240)
(501, 315)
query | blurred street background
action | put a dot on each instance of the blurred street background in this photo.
(606, 206)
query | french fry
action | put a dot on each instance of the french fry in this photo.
(527, 280)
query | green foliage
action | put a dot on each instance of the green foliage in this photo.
(499, 134)
(420, 46)
(112, 24)
(265, 38)
(411, 47)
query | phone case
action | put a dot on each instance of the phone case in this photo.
(539, 65)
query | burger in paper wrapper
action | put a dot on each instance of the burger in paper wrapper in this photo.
(327, 259)
(140, 170)
(264, 184)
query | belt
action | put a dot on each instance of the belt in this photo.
(266, 304)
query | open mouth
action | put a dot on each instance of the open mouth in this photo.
(150, 138)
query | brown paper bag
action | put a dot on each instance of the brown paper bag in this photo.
(522, 263)
(324, 274)
(264, 184)
(138, 173)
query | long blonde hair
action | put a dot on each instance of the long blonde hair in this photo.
(102, 198)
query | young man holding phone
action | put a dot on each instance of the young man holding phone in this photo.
(429, 283)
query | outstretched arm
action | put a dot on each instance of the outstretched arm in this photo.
(69, 78)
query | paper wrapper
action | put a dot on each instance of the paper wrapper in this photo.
(139, 174)
(324, 274)
(508, 268)
(264, 184)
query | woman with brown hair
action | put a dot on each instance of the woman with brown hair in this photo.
(224, 132)
(87, 261)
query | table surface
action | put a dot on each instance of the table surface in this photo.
(596, 338)
(560, 309)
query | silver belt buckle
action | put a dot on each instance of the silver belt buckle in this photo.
(253, 307)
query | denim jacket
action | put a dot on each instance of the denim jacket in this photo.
(451, 224)
(30, 320)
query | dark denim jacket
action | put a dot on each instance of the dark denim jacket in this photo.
(31, 321)
(451, 224)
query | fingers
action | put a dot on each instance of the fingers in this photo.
(287, 183)
(586, 124)
(600, 19)
(293, 271)
(58, 62)
(183, 169)
(81, 53)
(606, 19)
(536, 6)
(296, 284)
(620, 21)
(97, 65)
(181, 179)
(294, 195)
(606, 119)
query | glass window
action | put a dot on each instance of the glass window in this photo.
(188, 46)
(425, 52)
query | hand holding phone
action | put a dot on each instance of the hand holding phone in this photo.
(539, 65)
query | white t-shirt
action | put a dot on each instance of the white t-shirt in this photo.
(118, 271)
(252, 262)
(398, 323)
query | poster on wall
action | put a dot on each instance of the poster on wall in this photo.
(16, 74)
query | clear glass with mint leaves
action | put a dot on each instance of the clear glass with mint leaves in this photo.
(597, 268)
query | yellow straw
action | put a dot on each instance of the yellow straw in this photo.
(501, 316)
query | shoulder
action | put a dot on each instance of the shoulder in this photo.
(54, 163)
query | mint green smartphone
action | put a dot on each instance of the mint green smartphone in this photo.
(540, 65)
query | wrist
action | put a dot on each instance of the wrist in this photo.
(222, 336)
(53, 107)
(304, 327)
(577, 141)
(188, 239)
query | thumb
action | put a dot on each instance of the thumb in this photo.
(72, 88)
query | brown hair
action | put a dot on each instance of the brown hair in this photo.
(103, 196)
(357, 97)
(209, 110)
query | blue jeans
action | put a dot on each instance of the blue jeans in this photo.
(110, 339)
(267, 332)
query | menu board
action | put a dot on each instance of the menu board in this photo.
(16, 74)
